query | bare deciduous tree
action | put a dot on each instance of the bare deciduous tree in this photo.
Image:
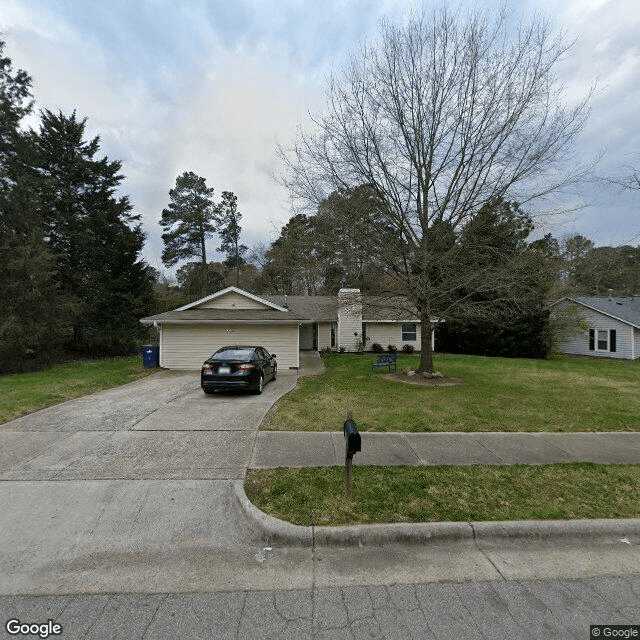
(628, 180)
(440, 117)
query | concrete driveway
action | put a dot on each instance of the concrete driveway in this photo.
(132, 489)
(161, 427)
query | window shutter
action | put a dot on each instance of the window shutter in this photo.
(592, 339)
(612, 340)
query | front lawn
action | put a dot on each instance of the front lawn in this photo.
(455, 494)
(499, 394)
(23, 393)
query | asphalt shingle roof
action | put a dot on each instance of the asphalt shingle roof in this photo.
(315, 308)
(388, 309)
(624, 308)
(325, 308)
(301, 309)
(226, 315)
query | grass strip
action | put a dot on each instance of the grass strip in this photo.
(447, 493)
(24, 393)
(563, 394)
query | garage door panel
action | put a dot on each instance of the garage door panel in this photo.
(188, 346)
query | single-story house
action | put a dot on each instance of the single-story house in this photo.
(613, 326)
(284, 325)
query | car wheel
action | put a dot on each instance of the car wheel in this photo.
(275, 372)
(260, 386)
(209, 391)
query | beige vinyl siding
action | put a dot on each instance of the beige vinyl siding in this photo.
(232, 300)
(324, 335)
(186, 347)
(579, 345)
(386, 333)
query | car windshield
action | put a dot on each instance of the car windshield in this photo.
(231, 353)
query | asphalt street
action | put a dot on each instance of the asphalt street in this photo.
(476, 610)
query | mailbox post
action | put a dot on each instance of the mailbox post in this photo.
(352, 446)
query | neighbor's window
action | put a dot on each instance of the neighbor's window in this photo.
(334, 329)
(409, 331)
(602, 340)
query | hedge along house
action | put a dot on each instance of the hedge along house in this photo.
(284, 325)
(613, 326)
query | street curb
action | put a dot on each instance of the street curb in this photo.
(627, 528)
(394, 533)
(272, 529)
(481, 533)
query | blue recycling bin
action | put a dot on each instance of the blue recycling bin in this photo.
(150, 355)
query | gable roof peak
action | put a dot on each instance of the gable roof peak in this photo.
(238, 291)
(623, 308)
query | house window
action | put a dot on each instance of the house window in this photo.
(602, 340)
(409, 332)
(334, 328)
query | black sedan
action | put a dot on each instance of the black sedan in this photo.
(238, 368)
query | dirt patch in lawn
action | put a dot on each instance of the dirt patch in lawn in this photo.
(418, 379)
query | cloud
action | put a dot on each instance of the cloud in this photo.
(208, 86)
(202, 86)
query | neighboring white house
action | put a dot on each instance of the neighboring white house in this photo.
(282, 324)
(613, 326)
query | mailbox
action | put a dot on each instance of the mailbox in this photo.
(352, 438)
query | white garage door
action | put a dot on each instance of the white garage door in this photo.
(186, 347)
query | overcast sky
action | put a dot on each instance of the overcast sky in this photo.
(210, 85)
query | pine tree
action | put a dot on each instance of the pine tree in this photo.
(230, 217)
(95, 237)
(33, 312)
(188, 221)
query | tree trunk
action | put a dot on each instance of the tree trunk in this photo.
(426, 347)
(237, 262)
(203, 249)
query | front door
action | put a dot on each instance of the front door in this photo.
(307, 336)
